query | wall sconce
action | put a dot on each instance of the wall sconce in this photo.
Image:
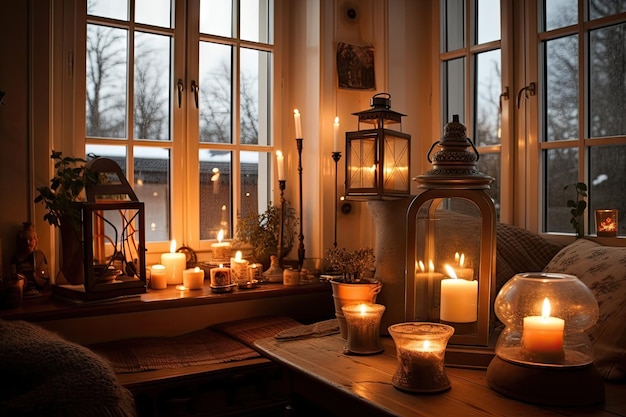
(451, 247)
(543, 355)
(378, 159)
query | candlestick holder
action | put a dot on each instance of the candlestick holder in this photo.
(363, 322)
(281, 185)
(420, 351)
(543, 355)
(336, 158)
(301, 236)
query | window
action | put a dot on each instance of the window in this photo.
(582, 91)
(179, 93)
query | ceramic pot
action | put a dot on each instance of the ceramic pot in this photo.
(349, 293)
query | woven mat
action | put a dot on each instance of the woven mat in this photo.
(249, 330)
(319, 329)
(203, 347)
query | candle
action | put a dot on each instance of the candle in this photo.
(336, 135)
(221, 250)
(280, 164)
(254, 272)
(462, 271)
(459, 299)
(432, 278)
(158, 277)
(220, 277)
(542, 336)
(239, 268)
(296, 119)
(363, 322)
(193, 278)
(175, 263)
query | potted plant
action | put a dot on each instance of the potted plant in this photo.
(350, 280)
(261, 232)
(62, 198)
(578, 207)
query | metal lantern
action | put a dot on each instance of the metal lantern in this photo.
(378, 159)
(451, 243)
(113, 237)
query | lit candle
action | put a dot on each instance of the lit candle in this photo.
(221, 250)
(193, 278)
(459, 299)
(363, 322)
(175, 263)
(158, 277)
(280, 164)
(296, 119)
(432, 278)
(254, 272)
(220, 277)
(239, 268)
(542, 336)
(336, 134)
(462, 271)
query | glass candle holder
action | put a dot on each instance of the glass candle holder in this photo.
(420, 351)
(606, 223)
(546, 316)
(363, 322)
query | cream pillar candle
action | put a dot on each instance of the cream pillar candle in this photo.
(175, 262)
(542, 336)
(158, 277)
(193, 278)
(459, 299)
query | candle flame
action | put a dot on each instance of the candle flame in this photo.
(197, 269)
(462, 260)
(426, 344)
(220, 236)
(173, 246)
(296, 111)
(456, 257)
(362, 309)
(545, 310)
(238, 255)
(337, 120)
(421, 265)
(221, 265)
(450, 271)
(431, 266)
(279, 154)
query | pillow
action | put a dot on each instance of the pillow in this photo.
(603, 270)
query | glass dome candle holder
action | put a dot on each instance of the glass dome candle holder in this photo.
(543, 355)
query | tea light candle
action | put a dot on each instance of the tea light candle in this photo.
(220, 277)
(459, 299)
(239, 268)
(221, 250)
(363, 321)
(158, 277)
(542, 336)
(175, 263)
(193, 278)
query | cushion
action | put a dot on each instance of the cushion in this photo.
(603, 270)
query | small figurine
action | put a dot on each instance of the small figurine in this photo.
(30, 262)
(274, 273)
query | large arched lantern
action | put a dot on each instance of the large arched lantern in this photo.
(451, 231)
(378, 158)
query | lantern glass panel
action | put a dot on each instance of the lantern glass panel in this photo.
(362, 163)
(396, 163)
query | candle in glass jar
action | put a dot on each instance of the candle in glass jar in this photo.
(158, 277)
(175, 263)
(542, 336)
(363, 322)
(193, 278)
(459, 299)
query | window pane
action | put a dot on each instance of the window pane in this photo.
(454, 88)
(114, 9)
(116, 153)
(255, 170)
(488, 87)
(608, 182)
(488, 26)
(607, 81)
(152, 86)
(216, 17)
(561, 169)
(215, 193)
(453, 24)
(215, 101)
(560, 13)
(561, 89)
(255, 97)
(489, 163)
(152, 186)
(255, 20)
(154, 12)
(106, 115)
(602, 8)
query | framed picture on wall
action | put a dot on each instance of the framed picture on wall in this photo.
(355, 66)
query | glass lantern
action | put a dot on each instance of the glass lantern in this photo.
(451, 244)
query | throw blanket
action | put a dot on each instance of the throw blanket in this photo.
(44, 374)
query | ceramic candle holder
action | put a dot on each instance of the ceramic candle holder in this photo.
(420, 351)
(363, 321)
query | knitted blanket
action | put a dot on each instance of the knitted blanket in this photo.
(44, 374)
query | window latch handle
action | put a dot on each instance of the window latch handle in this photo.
(530, 90)
(180, 87)
(194, 88)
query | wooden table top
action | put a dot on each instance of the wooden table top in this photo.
(368, 379)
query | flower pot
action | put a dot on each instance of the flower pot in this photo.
(352, 293)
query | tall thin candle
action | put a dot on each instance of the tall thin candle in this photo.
(296, 119)
(336, 135)
(280, 164)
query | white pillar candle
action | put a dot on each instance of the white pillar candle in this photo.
(542, 336)
(459, 299)
(336, 135)
(175, 262)
(296, 119)
(158, 277)
(193, 278)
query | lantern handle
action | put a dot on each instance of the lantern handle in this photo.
(430, 150)
(474, 148)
